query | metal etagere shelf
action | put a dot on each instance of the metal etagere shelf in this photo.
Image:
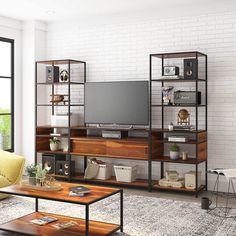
(199, 144)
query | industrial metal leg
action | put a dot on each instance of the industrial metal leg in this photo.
(206, 176)
(121, 211)
(227, 198)
(36, 204)
(87, 220)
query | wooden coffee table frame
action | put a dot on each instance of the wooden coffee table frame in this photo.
(7, 190)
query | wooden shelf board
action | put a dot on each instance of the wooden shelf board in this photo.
(58, 105)
(53, 152)
(178, 80)
(60, 83)
(157, 186)
(51, 127)
(192, 161)
(188, 142)
(159, 105)
(109, 128)
(137, 183)
(60, 62)
(109, 156)
(177, 131)
(51, 136)
(22, 225)
(129, 139)
(179, 55)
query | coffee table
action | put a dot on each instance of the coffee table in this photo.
(84, 227)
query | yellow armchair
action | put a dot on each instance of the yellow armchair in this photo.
(11, 169)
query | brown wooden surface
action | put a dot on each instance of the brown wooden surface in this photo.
(23, 225)
(97, 193)
(202, 151)
(188, 161)
(137, 183)
(157, 186)
(42, 143)
(131, 148)
(202, 136)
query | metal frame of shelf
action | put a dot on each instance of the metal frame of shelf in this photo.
(67, 62)
(179, 55)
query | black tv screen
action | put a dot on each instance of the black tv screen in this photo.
(123, 102)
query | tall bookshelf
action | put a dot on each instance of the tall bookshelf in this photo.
(45, 108)
(198, 141)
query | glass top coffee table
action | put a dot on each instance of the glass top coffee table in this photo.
(83, 227)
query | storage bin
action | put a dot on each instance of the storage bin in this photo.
(62, 120)
(104, 171)
(126, 173)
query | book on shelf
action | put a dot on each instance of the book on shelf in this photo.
(170, 77)
(43, 220)
(183, 127)
(179, 138)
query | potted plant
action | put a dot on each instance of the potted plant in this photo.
(174, 152)
(54, 143)
(40, 175)
(31, 171)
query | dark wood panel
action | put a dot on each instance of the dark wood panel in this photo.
(157, 186)
(188, 161)
(42, 143)
(202, 151)
(97, 193)
(120, 148)
(143, 183)
(22, 225)
(42, 131)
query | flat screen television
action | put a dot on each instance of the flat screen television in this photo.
(123, 102)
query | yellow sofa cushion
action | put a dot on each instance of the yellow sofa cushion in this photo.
(11, 169)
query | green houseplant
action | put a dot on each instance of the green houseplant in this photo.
(174, 152)
(31, 172)
(40, 175)
(54, 143)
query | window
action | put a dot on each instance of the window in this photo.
(6, 94)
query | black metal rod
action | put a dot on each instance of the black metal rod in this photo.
(87, 220)
(69, 122)
(85, 162)
(36, 113)
(162, 170)
(150, 128)
(227, 198)
(196, 180)
(206, 175)
(121, 210)
(36, 204)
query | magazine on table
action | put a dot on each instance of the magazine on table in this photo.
(79, 191)
(44, 220)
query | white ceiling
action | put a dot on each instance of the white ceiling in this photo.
(54, 10)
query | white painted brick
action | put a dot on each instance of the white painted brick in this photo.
(121, 52)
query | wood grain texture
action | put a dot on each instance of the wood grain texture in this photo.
(23, 225)
(96, 194)
(136, 148)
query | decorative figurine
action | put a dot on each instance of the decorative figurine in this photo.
(183, 117)
(166, 94)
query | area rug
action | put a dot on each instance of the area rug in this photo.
(143, 216)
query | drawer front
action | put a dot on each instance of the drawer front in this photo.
(127, 149)
(89, 147)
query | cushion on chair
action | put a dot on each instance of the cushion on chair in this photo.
(11, 169)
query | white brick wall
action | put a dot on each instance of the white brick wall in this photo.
(121, 51)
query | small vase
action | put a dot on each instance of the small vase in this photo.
(54, 146)
(174, 155)
(32, 180)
